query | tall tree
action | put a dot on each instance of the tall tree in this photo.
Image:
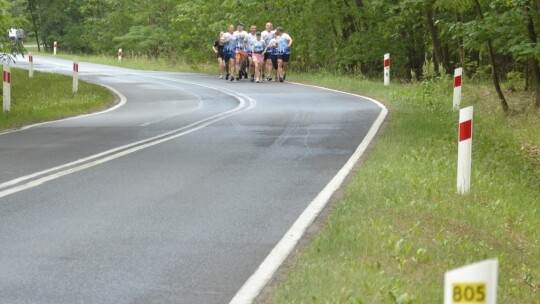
(494, 66)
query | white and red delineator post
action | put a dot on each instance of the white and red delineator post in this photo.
(457, 88)
(30, 65)
(465, 150)
(386, 69)
(55, 46)
(475, 283)
(7, 88)
(75, 76)
(120, 55)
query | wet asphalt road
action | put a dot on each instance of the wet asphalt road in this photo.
(175, 197)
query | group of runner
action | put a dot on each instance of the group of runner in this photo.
(260, 53)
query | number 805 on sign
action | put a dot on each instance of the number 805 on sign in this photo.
(469, 293)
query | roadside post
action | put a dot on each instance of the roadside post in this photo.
(55, 46)
(30, 66)
(7, 88)
(457, 88)
(386, 69)
(465, 150)
(472, 284)
(75, 76)
(119, 55)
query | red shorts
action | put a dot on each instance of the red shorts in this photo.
(241, 55)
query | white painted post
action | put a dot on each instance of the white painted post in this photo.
(465, 150)
(30, 66)
(7, 88)
(386, 69)
(119, 55)
(55, 46)
(75, 76)
(476, 283)
(457, 88)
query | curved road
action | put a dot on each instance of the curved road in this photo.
(176, 196)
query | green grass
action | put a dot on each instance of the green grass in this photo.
(402, 225)
(48, 97)
(136, 62)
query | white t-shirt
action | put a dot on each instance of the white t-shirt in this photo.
(12, 33)
(238, 38)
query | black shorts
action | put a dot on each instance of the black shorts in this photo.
(220, 55)
(274, 61)
(229, 55)
(284, 57)
(267, 56)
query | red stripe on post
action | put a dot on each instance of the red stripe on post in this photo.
(75, 67)
(465, 130)
(7, 77)
(457, 81)
(30, 58)
(386, 63)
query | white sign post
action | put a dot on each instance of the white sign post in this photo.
(457, 88)
(465, 150)
(119, 55)
(472, 284)
(55, 46)
(30, 66)
(386, 69)
(75, 76)
(7, 88)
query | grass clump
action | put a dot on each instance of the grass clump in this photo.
(48, 97)
(402, 225)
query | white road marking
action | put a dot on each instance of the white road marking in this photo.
(118, 152)
(35, 179)
(122, 102)
(266, 270)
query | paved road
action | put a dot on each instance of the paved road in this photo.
(175, 197)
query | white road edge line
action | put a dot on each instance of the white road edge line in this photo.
(123, 101)
(266, 270)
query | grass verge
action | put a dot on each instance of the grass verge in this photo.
(402, 225)
(137, 62)
(48, 97)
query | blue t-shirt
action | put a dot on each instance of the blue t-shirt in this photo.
(228, 46)
(282, 44)
(258, 46)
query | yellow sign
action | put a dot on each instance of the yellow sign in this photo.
(469, 293)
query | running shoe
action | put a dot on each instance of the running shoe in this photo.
(252, 78)
(281, 79)
(227, 76)
(220, 76)
(269, 78)
(284, 77)
(232, 78)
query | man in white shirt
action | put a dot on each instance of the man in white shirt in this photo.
(241, 55)
(267, 35)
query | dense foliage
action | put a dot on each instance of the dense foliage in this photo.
(425, 37)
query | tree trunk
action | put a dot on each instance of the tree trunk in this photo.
(534, 63)
(434, 34)
(494, 67)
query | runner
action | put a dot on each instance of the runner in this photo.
(229, 52)
(241, 54)
(218, 49)
(272, 46)
(267, 35)
(284, 42)
(258, 49)
(248, 41)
